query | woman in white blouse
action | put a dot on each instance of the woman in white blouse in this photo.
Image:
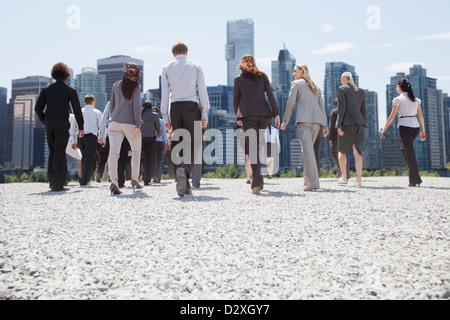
(408, 107)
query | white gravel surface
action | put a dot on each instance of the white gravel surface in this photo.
(384, 241)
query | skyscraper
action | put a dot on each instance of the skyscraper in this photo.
(112, 68)
(282, 70)
(89, 82)
(447, 125)
(3, 111)
(20, 87)
(23, 132)
(240, 41)
(221, 98)
(431, 154)
(282, 78)
(371, 150)
(29, 85)
(391, 156)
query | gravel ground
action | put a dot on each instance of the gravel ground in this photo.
(384, 241)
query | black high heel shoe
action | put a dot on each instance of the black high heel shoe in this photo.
(136, 184)
(114, 189)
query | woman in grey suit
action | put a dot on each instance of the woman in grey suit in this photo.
(351, 123)
(310, 119)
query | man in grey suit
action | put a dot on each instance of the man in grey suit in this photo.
(351, 123)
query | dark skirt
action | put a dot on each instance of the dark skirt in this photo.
(353, 135)
(268, 149)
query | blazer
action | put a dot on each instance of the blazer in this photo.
(310, 108)
(151, 126)
(250, 97)
(333, 119)
(351, 106)
(57, 97)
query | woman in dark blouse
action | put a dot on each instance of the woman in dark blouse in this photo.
(253, 112)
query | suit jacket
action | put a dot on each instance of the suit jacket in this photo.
(351, 106)
(57, 97)
(310, 108)
(151, 126)
(333, 119)
(250, 97)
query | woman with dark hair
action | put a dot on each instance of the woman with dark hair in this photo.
(55, 100)
(408, 107)
(151, 130)
(125, 121)
(253, 112)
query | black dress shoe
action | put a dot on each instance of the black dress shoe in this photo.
(181, 182)
(147, 183)
(60, 189)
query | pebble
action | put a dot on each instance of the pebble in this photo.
(383, 241)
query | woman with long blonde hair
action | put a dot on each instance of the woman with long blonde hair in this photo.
(351, 124)
(310, 119)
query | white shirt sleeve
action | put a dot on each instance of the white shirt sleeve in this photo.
(202, 93)
(396, 102)
(165, 94)
(104, 123)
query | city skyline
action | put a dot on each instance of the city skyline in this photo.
(323, 35)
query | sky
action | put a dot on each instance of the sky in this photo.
(378, 37)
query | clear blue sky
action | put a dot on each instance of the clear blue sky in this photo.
(34, 36)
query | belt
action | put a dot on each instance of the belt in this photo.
(401, 117)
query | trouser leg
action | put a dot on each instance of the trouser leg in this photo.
(308, 134)
(116, 138)
(88, 147)
(59, 137)
(187, 117)
(159, 151)
(148, 150)
(254, 128)
(408, 135)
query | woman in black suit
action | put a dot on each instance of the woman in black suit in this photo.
(253, 112)
(55, 100)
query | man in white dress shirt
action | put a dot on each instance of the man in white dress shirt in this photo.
(183, 87)
(88, 144)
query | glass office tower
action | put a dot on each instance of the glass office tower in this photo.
(240, 41)
(112, 68)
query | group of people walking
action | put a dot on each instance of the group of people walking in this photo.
(184, 109)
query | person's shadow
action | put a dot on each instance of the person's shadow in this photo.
(199, 198)
(278, 194)
(50, 193)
